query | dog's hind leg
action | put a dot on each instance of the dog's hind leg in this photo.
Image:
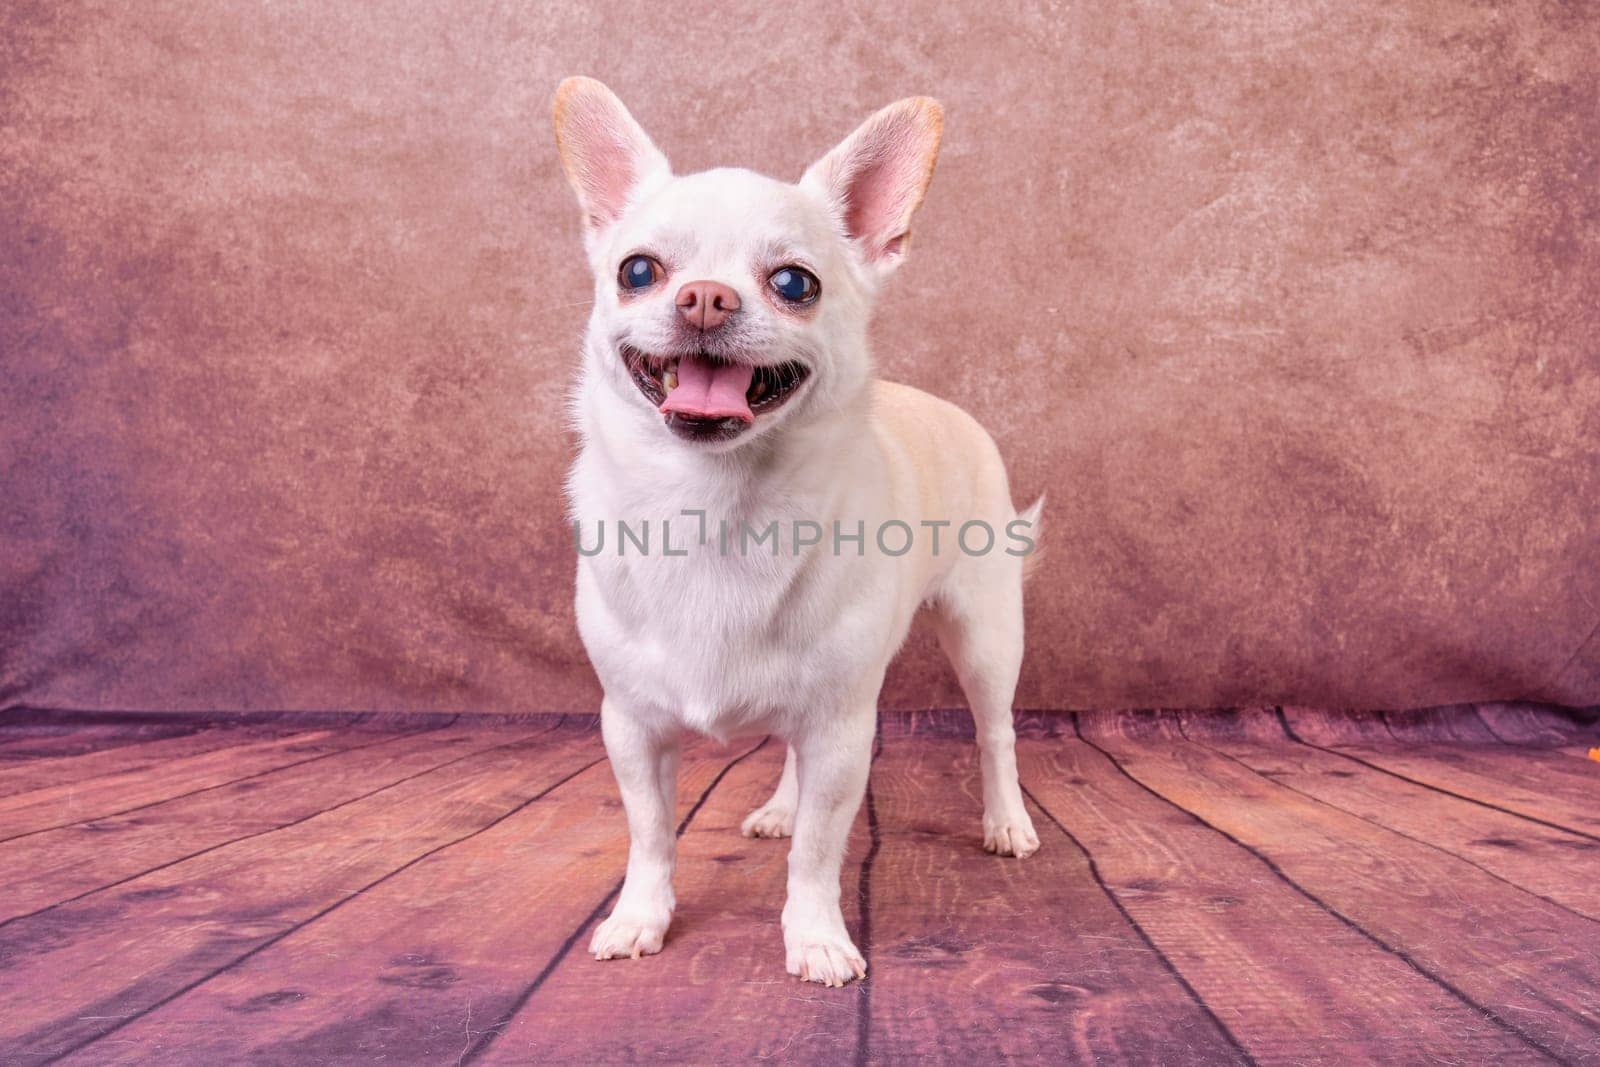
(775, 818)
(978, 617)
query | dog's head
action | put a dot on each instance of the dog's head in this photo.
(727, 303)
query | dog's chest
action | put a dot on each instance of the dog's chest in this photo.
(728, 643)
(724, 634)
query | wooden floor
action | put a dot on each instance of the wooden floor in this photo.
(1267, 886)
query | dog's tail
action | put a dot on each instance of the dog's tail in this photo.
(1031, 515)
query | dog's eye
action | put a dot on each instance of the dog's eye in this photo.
(638, 272)
(795, 285)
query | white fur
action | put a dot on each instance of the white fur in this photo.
(794, 644)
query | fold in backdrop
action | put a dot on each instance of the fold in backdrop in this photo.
(1291, 309)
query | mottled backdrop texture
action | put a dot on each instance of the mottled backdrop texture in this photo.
(1291, 307)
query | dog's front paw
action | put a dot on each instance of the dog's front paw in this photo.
(768, 821)
(830, 960)
(627, 937)
(1010, 835)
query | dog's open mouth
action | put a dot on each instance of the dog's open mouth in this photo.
(707, 397)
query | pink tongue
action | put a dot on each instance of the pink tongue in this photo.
(708, 390)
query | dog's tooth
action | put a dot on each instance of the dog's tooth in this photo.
(669, 378)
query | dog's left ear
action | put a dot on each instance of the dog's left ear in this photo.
(875, 179)
(607, 155)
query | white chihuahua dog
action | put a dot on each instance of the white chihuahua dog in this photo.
(726, 384)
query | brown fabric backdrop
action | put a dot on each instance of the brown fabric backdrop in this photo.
(1290, 307)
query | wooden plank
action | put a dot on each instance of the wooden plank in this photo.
(27, 722)
(112, 957)
(1500, 728)
(1550, 800)
(1529, 855)
(976, 958)
(224, 966)
(140, 753)
(1462, 735)
(1454, 725)
(1536, 771)
(1535, 725)
(1284, 974)
(1318, 727)
(1529, 966)
(412, 964)
(45, 869)
(21, 744)
(131, 790)
(723, 965)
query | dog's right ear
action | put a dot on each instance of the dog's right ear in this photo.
(607, 156)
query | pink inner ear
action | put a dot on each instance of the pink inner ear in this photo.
(605, 152)
(608, 175)
(885, 169)
(873, 202)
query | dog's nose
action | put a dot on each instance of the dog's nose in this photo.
(706, 305)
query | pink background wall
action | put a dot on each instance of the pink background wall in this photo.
(1291, 308)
